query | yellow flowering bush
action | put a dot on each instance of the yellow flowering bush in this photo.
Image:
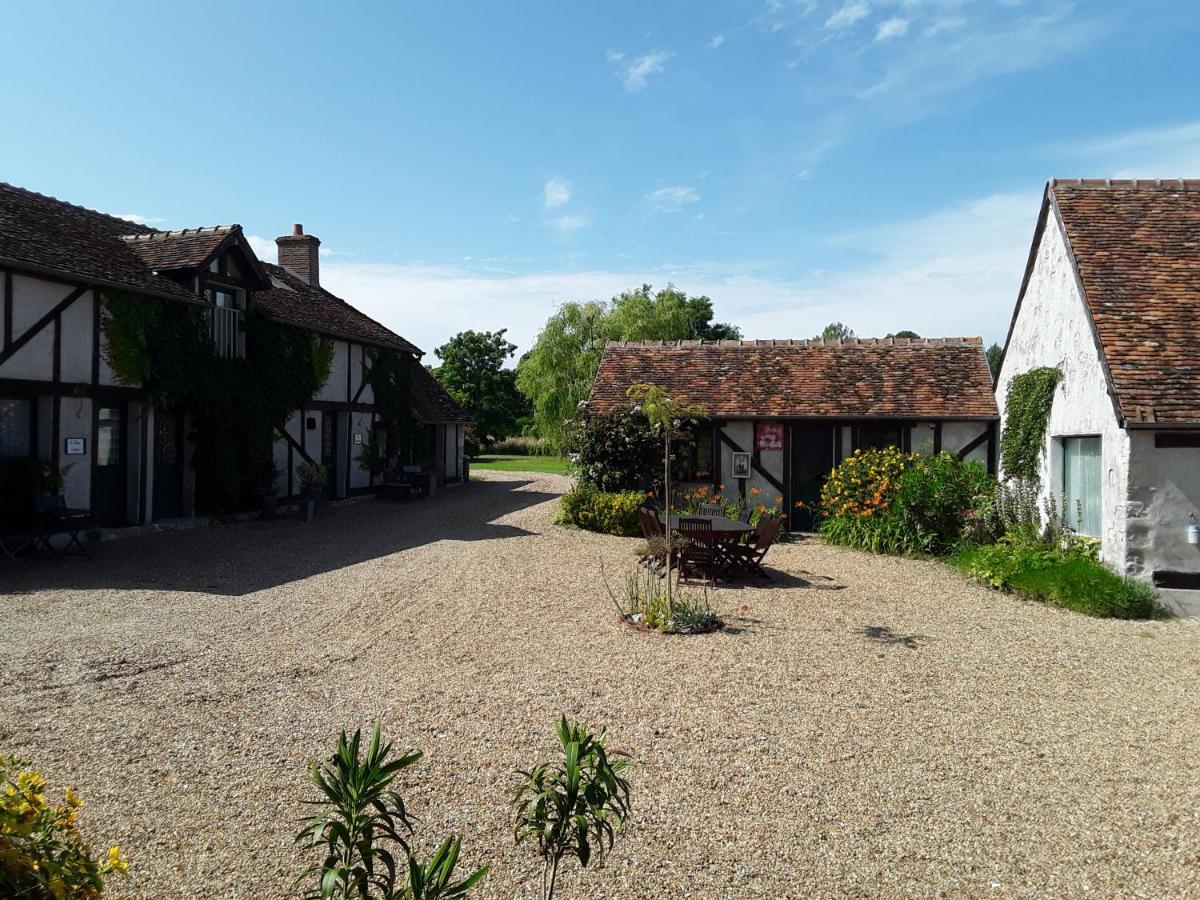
(865, 484)
(42, 853)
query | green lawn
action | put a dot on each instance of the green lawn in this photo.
(556, 465)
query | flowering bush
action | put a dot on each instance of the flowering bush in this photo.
(609, 512)
(42, 854)
(621, 452)
(886, 501)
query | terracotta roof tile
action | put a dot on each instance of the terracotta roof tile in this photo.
(1137, 247)
(292, 300)
(911, 378)
(431, 404)
(48, 235)
(186, 249)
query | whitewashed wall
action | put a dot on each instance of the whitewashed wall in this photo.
(1164, 494)
(1053, 329)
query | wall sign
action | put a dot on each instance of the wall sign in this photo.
(741, 464)
(768, 435)
(358, 438)
(75, 446)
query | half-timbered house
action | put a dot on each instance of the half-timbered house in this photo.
(60, 401)
(779, 415)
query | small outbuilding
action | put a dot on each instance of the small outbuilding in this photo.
(782, 414)
(1111, 299)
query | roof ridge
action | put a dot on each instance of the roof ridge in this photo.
(1185, 184)
(86, 209)
(155, 235)
(696, 344)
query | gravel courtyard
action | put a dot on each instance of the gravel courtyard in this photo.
(867, 726)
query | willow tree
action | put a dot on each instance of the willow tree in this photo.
(669, 419)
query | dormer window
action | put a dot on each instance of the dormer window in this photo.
(224, 297)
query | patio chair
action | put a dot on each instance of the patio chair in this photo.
(711, 509)
(13, 542)
(648, 522)
(700, 551)
(748, 557)
(54, 518)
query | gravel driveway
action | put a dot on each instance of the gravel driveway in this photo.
(867, 726)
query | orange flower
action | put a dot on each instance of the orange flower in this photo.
(755, 490)
(778, 501)
(799, 504)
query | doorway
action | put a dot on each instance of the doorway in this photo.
(812, 460)
(168, 466)
(329, 452)
(109, 479)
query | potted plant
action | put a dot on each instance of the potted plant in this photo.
(270, 499)
(312, 481)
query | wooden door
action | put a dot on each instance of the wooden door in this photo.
(168, 466)
(329, 452)
(109, 478)
(812, 460)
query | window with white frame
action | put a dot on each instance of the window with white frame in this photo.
(1082, 484)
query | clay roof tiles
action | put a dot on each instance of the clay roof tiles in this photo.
(1136, 245)
(936, 378)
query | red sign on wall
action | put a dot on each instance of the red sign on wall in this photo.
(768, 435)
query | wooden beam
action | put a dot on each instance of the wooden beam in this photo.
(977, 442)
(12, 347)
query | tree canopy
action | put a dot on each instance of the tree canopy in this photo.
(556, 375)
(994, 353)
(473, 373)
(836, 331)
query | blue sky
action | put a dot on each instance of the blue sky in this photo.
(472, 165)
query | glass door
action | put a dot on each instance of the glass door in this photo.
(108, 485)
(1082, 484)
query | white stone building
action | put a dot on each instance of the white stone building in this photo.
(1111, 298)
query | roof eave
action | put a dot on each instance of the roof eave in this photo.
(77, 278)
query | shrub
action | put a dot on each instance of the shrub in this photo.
(42, 853)
(358, 826)
(621, 452)
(573, 807)
(1070, 577)
(524, 445)
(885, 501)
(603, 511)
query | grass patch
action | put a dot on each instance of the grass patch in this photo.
(1077, 583)
(554, 465)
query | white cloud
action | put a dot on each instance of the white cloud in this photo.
(953, 272)
(849, 14)
(636, 73)
(1171, 151)
(556, 192)
(264, 248)
(570, 223)
(716, 41)
(139, 219)
(892, 28)
(671, 199)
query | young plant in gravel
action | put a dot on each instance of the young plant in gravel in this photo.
(359, 826)
(574, 807)
(642, 600)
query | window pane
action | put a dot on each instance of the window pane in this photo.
(878, 437)
(16, 420)
(1081, 484)
(108, 437)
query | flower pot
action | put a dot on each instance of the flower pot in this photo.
(308, 508)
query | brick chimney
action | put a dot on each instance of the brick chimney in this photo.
(299, 253)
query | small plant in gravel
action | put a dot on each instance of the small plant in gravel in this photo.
(573, 807)
(359, 827)
(642, 601)
(42, 854)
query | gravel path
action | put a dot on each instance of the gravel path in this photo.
(868, 726)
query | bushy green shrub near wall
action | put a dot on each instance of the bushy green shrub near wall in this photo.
(609, 512)
(621, 452)
(1026, 414)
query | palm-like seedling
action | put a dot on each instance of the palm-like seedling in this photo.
(435, 879)
(573, 808)
(358, 816)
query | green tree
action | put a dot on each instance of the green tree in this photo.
(836, 331)
(994, 353)
(473, 373)
(903, 334)
(557, 373)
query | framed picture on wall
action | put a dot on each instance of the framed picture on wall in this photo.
(741, 465)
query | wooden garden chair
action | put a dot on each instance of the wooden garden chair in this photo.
(700, 551)
(748, 557)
